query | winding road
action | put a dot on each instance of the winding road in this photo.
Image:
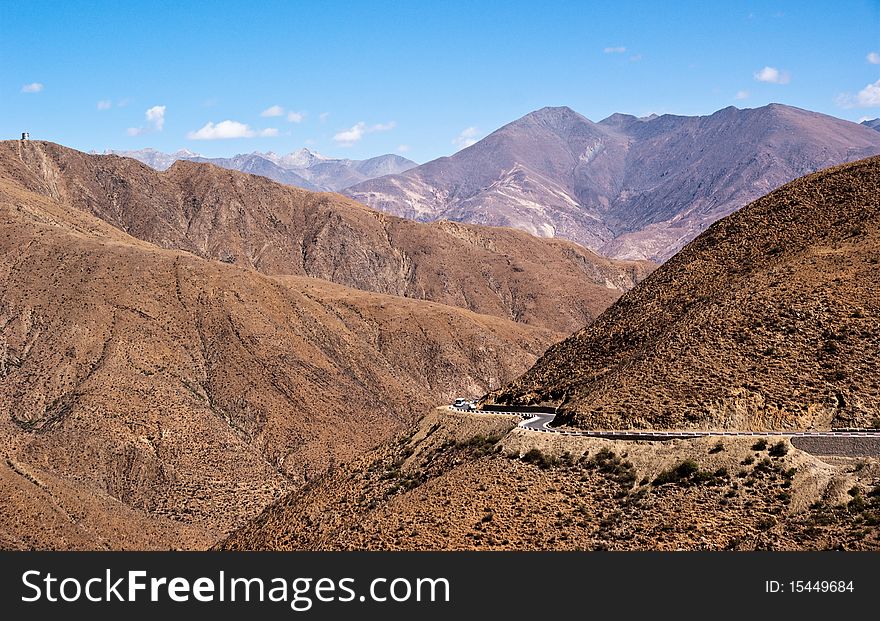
(540, 422)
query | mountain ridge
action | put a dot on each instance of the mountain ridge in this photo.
(302, 168)
(281, 230)
(624, 187)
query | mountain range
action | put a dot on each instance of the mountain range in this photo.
(767, 320)
(302, 168)
(625, 187)
(873, 124)
(255, 223)
(180, 348)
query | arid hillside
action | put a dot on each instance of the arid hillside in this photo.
(465, 481)
(153, 399)
(768, 320)
(251, 221)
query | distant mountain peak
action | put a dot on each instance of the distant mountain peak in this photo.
(625, 187)
(554, 116)
(302, 168)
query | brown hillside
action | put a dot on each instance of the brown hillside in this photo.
(768, 320)
(254, 222)
(465, 482)
(153, 399)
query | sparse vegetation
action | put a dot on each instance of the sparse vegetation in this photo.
(614, 467)
(779, 449)
(760, 445)
(536, 457)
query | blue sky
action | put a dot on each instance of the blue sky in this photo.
(356, 79)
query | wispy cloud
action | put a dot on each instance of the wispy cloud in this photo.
(348, 137)
(617, 49)
(868, 97)
(742, 95)
(635, 58)
(873, 58)
(466, 138)
(229, 129)
(296, 117)
(105, 104)
(272, 111)
(772, 75)
(155, 117)
(403, 148)
(33, 87)
(323, 116)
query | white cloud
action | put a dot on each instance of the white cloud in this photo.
(873, 58)
(273, 111)
(323, 116)
(772, 75)
(33, 87)
(348, 137)
(155, 122)
(156, 117)
(742, 94)
(296, 117)
(221, 131)
(635, 58)
(466, 138)
(105, 104)
(269, 132)
(617, 49)
(868, 97)
(403, 148)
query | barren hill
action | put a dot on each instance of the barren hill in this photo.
(768, 320)
(626, 187)
(477, 482)
(154, 399)
(253, 222)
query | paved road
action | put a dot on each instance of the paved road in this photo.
(541, 423)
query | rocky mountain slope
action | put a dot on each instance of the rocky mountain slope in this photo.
(625, 187)
(873, 124)
(154, 399)
(476, 482)
(302, 168)
(768, 320)
(253, 222)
